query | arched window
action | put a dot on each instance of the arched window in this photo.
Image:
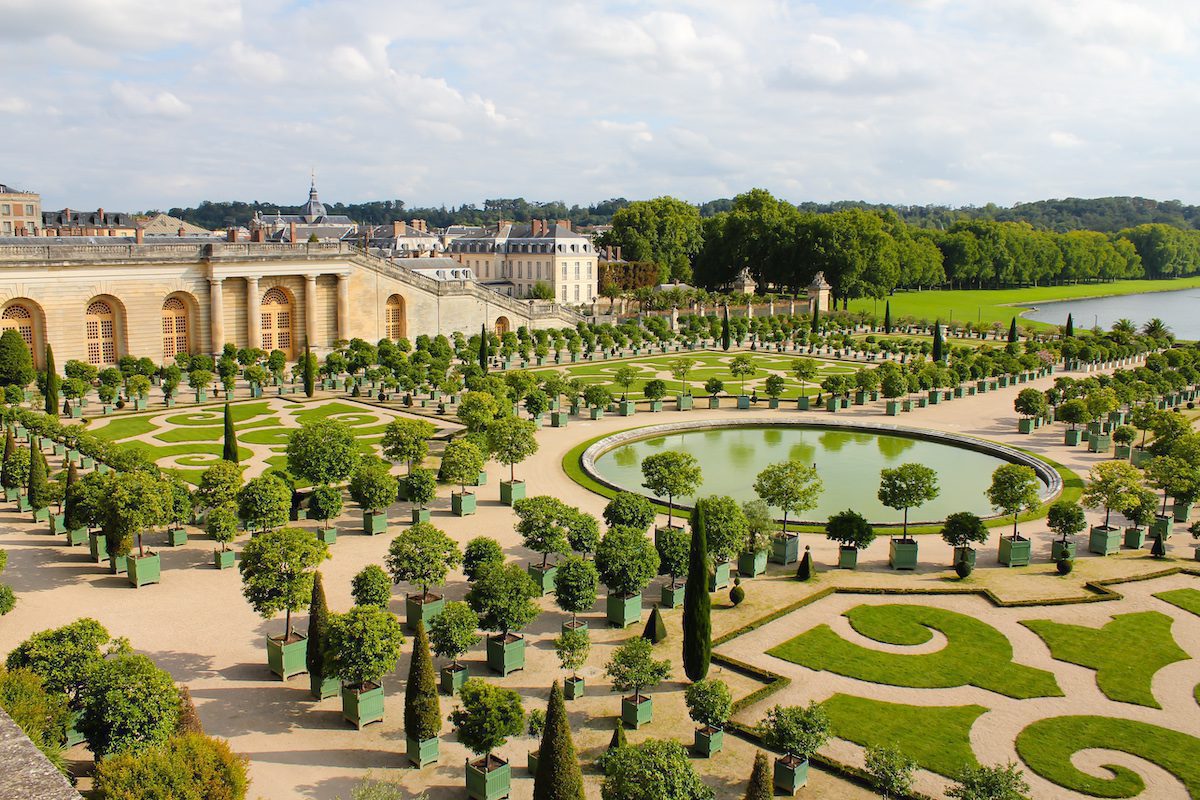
(395, 323)
(20, 319)
(99, 323)
(174, 327)
(502, 326)
(275, 312)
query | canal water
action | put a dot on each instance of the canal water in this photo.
(1179, 309)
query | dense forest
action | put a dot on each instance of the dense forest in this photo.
(1104, 214)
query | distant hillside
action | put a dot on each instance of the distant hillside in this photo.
(1106, 214)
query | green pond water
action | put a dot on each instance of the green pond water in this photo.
(848, 462)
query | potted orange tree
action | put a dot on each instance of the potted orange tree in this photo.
(487, 717)
(1014, 489)
(362, 646)
(633, 668)
(452, 633)
(422, 555)
(502, 596)
(709, 705)
(797, 732)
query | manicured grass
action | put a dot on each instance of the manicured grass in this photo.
(1126, 653)
(240, 411)
(1047, 746)
(124, 427)
(975, 654)
(938, 738)
(1187, 599)
(997, 305)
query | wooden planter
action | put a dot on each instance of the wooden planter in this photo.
(422, 752)
(752, 564)
(791, 773)
(511, 491)
(967, 554)
(422, 608)
(1060, 550)
(177, 537)
(488, 778)
(374, 523)
(709, 740)
(847, 557)
(683, 403)
(623, 610)
(324, 688)
(362, 705)
(143, 570)
(672, 594)
(223, 559)
(287, 659)
(462, 503)
(544, 577)
(506, 653)
(452, 678)
(1135, 538)
(1104, 540)
(637, 711)
(785, 549)
(902, 554)
(573, 687)
(1015, 552)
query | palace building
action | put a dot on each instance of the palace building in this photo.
(513, 258)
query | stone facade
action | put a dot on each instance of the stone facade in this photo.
(20, 212)
(516, 257)
(98, 302)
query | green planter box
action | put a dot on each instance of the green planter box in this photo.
(626, 408)
(831, 405)
(902, 554)
(11, 494)
(1181, 511)
(773, 402)
(324, 688)
(1072, 438)
(177, 537)
(74, 737)
(719, 578)
(847, 557)
(97, 547)
(1025, 425)
(506, 654)
(714, 402)
(511, 491)
(791, 774)
(422, 752)
(709, 740)
(41, 515)
(636, 712)
(143, 570)
(672, 594)
(623, 611)
(287, 659)
(683, 403)
(201, 396)
(118, 565)
(299, 514)
(481, 479)
(1060, 550)
(1161, 527)
(743, 401)
(1103, 540)
(56, 524)
(968, 554)
(462, 503)
(543, 576)
(327, 535)
(892, 408)
(574, 687)
(935, 397)
(223, 559)
(77, 537)
(558, 419)
(1122, 452)
(656, 406)
(906, 406)
(802, 403)
(751, 564)
(488, 778)
(452, 678)
(1015, 552)
(596, 413)
(531, 762)
(1099, 442)
(422, 608)
(374, 523)
(785, 549)
(1135, 538)
(362, 706)
(420, 515)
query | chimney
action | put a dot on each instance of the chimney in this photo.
(259, 235)
(139, 232)
(292, 232)
(231, 234)
(397, 228)
(100, 216)
(419, 225)
(608, 252)
(566, 223)
(182, 232)
(618, 252)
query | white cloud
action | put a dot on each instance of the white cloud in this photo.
(1065, 139)
(13, 105)
(146, 102)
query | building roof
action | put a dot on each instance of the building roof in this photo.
(5, 189)
(166, 225)
(26, 774)
(66, 218)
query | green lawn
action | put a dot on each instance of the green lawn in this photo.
(1126, 653)
(215, 414)
(1047, 746)
(975, 653)
(938, 738)
(996, 305)
(125, 427)
(1187, 599)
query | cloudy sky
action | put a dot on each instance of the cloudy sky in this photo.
(139, 104)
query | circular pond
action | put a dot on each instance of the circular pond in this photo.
(847, 456)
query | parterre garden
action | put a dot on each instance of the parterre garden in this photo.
(954, 681)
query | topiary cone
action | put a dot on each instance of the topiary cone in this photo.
(656, 629)
(804, 570)
(558, 776)
(760, 787)
(422, 709)
(1159, 550)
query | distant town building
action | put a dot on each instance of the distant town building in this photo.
(88, 223)
(313, 222)
(20, 212)
(166, 225)
(513, 258)
(399, 239)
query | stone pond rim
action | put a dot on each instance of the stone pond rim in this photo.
(1052, 483)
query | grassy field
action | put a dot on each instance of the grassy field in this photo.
(1000, 305)
(1125, 653)
(976, 654)
(1047, 746)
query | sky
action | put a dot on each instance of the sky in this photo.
(142, 104)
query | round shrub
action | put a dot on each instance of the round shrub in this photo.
(736, 595)
(963, 568)
(1065, 565)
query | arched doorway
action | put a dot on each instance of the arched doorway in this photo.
(395, 318)
(20, 319)
(502, 326)
(100, 326)
(174, 327)
(275, 311)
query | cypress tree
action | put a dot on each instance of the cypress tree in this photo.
(558, 776)
(310, 372)
(816, 319)
(483, 349)
(618, 738)
(1070, 330)
(1012, 331)
(10, 444)
(725, 330)
(39, 484)
(189, 720)
(230, 452)
(804, 571)
(760, 787)
(422, 709)
(697, 605)
(1159, 548)
(887, 317)
(656, 629)
(51, 383)
(939, 345)
(318, 627)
